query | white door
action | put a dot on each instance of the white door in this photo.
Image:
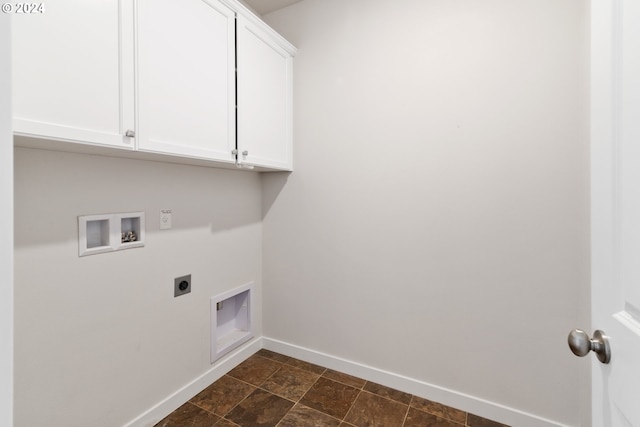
(615, 207)
(186, 78)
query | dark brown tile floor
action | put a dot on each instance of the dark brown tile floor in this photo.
(270, 389)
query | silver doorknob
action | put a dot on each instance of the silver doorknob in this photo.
(245, 153)
(580, 344)
(130, 134)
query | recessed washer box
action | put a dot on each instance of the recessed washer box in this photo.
(110, 232)
(231, 320)
(131, 230)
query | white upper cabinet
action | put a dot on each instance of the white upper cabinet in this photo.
(202, 81)
(73, 72)
(264, 97)
(186, 78)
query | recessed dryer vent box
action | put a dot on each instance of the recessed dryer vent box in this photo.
(231, 320)
(110, 232)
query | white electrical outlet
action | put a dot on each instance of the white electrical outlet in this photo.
(165, 219)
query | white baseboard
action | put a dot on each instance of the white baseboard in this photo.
(474, 405)
(471, 404)
(155, 414)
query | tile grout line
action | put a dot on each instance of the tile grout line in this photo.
(207, 410)
(258, 387)
(200, 407)
(360, 390)
(292, 366)
(390, 399)
(288, 362)
(243, 399)
(351, 407)
(321, 375)
(305, 393)
(408, 409)
(295, 402)
(344, 383)
(443, 416)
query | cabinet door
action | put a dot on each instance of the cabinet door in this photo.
(73, 72)
(264, 99)
(186, 78)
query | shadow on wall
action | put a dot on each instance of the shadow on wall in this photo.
(53, 188)
(272, 185)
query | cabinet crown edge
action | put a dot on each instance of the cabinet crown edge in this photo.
(248, 14)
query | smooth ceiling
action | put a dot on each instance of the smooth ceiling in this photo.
(263, 7)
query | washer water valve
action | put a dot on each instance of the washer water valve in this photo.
(129, 236)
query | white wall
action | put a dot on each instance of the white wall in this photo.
(101, 339)
(437, 225)
(6, 226)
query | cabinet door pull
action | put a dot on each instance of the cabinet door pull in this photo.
(245, 153)
(130, 134)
